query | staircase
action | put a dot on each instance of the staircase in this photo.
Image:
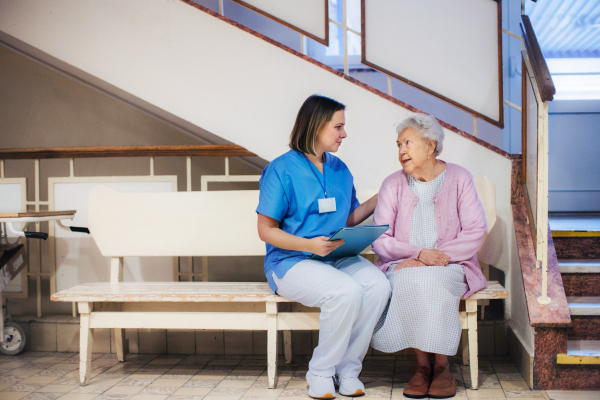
(577, 242)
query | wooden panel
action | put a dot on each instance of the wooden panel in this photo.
(452, 50)
(179, 320)
(309, 17)
(125, 151)
(219, 223)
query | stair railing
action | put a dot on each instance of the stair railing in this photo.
(537, 90)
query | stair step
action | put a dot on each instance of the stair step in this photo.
(579, 266)
(590, 348)
(580, 352)
(584, 305)
(574, 222)
(581, 284)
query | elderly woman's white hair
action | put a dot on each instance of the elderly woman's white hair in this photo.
(427, 126)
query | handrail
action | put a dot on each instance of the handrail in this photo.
(124, 151)
(538, 63)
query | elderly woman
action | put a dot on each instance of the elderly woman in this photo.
(428, 254)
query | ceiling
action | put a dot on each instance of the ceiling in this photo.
(566, 28)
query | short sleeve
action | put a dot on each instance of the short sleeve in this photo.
(273, 201)
(354, 203)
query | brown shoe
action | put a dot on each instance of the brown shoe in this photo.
(419, 384)
(443, 385)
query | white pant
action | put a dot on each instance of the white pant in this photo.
(352, 294)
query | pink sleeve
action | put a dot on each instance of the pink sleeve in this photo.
(472, 222)
(387, 247)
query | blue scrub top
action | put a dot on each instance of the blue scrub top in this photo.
(289, 191)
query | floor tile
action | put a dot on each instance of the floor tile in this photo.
(188, 391)
(135, 382)
(12, 395)
(200, 383)
(209, 375)
(169, 382)
(263, 393)
(79, 396)
(572, 394)
(228, 392)
(57, 388)
(209, 397)
(24, 387)
(485, 393)
(40, 379)
(235, 384)
(149, 397)
(125, 390)
(24, 371)
(157, 390)
(522, 393)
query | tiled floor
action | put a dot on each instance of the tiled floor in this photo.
(50, 376)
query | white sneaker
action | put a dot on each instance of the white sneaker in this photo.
(320, 387)
(349, 386)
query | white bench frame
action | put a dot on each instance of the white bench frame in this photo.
(118, 306)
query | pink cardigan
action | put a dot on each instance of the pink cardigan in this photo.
(460, 222)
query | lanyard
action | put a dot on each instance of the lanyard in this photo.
(311, 166)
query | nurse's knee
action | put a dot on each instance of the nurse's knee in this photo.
(381, 286)
(350, 293)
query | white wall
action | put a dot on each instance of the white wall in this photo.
(237, 86)
(574, 170)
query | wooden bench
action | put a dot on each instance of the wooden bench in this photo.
(195, 224)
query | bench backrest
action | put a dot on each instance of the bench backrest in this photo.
(205, 223)
(486, 190)
(216, 223)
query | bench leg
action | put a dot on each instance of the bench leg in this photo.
(287, 345)
(465, 347)
(272, 344)
(471, 306)
(122, 344)
(86, 341)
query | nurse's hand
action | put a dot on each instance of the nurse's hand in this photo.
(321, 247)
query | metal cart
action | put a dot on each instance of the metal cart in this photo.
(13, 260)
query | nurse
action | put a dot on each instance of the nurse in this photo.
(306, 195)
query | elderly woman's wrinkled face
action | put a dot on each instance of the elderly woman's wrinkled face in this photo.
(413, 150)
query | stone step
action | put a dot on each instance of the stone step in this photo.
(579, 367)
(577, 247)
(581, 284)
(584, 305)
(588, 348)
(579, 266)
(584, 327)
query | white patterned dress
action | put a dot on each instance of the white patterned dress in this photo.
(423, 310)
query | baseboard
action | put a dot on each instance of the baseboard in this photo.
(520, 357)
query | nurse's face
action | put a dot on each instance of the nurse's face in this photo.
(330, 138)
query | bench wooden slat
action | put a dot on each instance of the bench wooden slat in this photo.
(201, 292)
(170, 292)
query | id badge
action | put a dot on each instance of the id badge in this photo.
(327, 205)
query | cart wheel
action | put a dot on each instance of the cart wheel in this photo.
(15, 339)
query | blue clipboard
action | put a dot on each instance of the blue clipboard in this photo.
(356, 240)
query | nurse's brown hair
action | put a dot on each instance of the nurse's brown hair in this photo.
(314, 114)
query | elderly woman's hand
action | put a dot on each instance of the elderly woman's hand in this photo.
(408, 264)
(433, 257)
